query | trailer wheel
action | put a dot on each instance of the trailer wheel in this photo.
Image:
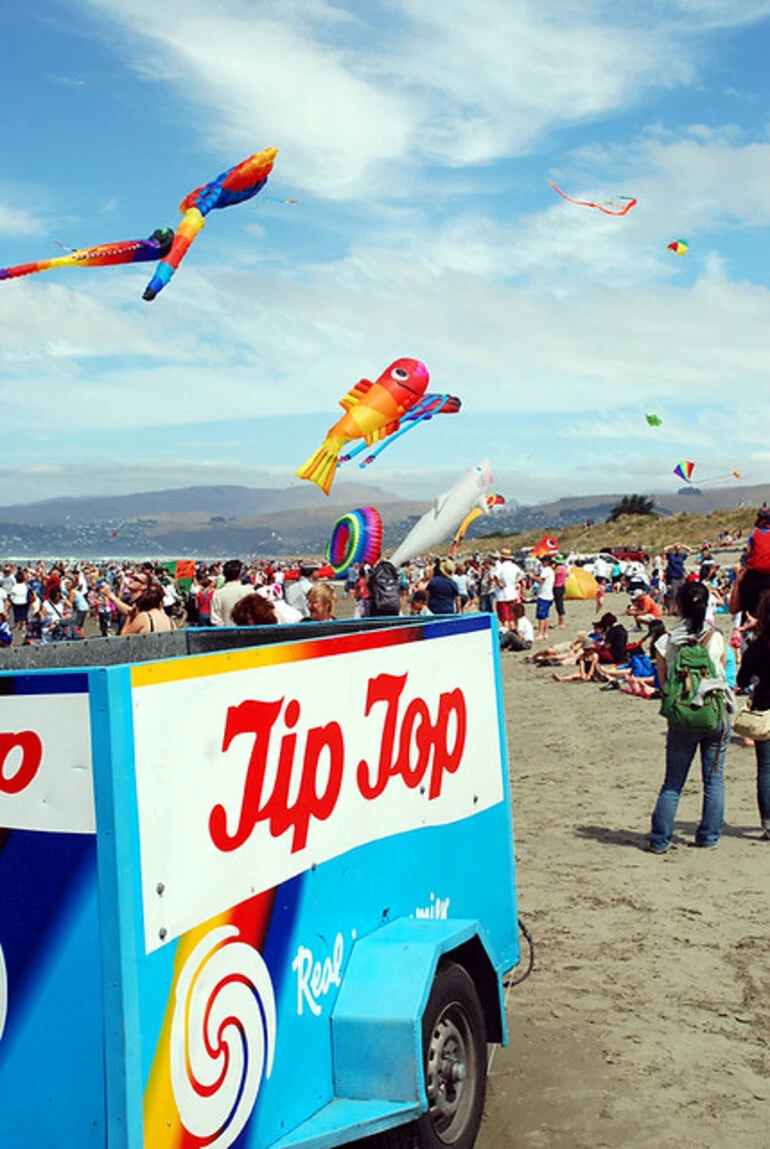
(455, 1052)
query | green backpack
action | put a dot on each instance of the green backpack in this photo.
(692, 664)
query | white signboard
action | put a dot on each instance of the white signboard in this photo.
(45, 763)
(248, 777)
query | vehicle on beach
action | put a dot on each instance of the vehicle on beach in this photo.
(627, 554)
(256, 886)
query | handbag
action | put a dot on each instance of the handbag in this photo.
(754, 724)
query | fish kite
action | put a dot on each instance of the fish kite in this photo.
(237, 184)
(356, 538)
(491, 501)
(104, 255)
(428, 406)
(447, 513)
(373, 411)
(684, 470)
(654, 420)
(621, 206)
(678, 246)
(547, 546)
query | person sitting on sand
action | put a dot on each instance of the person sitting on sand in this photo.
(587, 662)
(561, 653)
(644, 609)
(523, 636)
(614, 639)
(640, 676)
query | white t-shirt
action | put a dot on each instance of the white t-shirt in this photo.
(668, 646)
(19, 593)
(545, 590)
(508, 576)
(525, 629)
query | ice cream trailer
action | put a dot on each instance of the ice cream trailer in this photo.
(256, 887)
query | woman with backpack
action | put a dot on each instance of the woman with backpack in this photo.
(691, 653)
(755, 664)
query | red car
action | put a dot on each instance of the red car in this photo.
(627, 554)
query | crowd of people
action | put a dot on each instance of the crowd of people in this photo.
(42, 603)
(634, 653)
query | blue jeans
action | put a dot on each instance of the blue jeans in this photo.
(762, 750)
(680, 751)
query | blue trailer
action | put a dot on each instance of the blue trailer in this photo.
(256, 887)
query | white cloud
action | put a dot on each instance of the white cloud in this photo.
(275, 342)
(359, 98)
(17, 220)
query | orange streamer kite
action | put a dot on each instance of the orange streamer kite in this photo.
(608, 207)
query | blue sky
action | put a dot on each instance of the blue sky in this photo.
(418, 138)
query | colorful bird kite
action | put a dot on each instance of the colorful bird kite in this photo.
(356, 538)
(104, 255)
(684, 470)
(621, 206)
(654, 420)
(373, 411)
(428, 406)
(237, 184)
(491, 501)
(678, 246)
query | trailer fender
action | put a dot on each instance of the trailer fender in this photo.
(377, 1017)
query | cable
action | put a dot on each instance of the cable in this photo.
(511, 982)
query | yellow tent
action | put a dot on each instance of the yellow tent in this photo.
(580, 584)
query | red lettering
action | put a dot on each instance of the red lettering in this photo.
(257, 718)
(416, 733)
(451, 703)
(385, 688)
(276, 808)
(311, 804)
(31, 756)
(417, 713)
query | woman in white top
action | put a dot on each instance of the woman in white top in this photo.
(19, 599)
(681, 745)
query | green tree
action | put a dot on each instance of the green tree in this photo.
(632, 505)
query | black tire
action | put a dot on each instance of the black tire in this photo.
(453, 1035)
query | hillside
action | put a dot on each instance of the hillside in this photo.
(650, 533)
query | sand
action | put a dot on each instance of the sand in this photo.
(646, 1021)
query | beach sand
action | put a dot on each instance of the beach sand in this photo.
(646, 1020)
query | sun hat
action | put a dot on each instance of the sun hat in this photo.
(447, 568)
(506, 552)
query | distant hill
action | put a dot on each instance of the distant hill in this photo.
(195, 521)
(228, 502)
(237, 520)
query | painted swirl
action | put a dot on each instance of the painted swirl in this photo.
(222, 1036)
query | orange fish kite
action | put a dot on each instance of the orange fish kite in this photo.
(372, 412)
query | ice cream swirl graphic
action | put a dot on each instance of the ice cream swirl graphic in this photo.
(3, 993)
(222, 1036)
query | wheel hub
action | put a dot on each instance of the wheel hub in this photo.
(449, 1099)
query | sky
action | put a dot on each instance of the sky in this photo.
(418, 139)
